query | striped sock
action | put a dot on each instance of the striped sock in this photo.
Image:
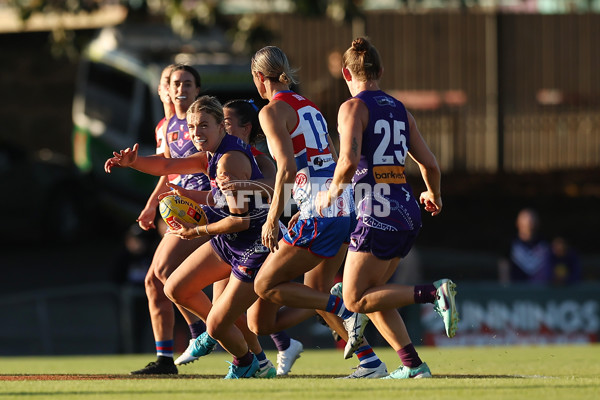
(164, 348)
(262, 359)
(367, 357)
(335, 305)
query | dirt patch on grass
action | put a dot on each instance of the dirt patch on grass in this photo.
(89, 377)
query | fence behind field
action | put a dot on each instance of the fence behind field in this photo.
(491, 92)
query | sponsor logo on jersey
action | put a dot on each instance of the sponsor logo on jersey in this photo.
(392, 174)
(321, 161)
(374, 223)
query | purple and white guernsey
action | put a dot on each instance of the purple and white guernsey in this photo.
(243, 250)
(387, 202)
(181, 145)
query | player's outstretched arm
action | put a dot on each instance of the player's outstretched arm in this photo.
(157, 165)
(430, 170)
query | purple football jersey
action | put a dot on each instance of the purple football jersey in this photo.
(387, 202)
(243, 250)
(180, 145)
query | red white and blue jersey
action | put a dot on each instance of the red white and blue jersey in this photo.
(181, 145)
(160, 137)
(387, 202)
(314, 161)
(161, 145)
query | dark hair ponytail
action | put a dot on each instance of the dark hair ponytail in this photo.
(247, 113)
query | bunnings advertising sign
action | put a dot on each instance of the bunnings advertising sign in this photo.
(492, 314)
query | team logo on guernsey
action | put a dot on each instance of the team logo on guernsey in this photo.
(392, 174)
(301, 180)
(384, 101)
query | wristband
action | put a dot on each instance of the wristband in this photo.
(239, 214)
(197, 231)
(206, 229)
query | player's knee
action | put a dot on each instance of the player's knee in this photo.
(163, 271)
(152, 286)
(215, 328)
(262, 288)
(258, 329)
(354, 304)
(254, 328)
(173, 292)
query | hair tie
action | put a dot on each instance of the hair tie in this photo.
(251, 102)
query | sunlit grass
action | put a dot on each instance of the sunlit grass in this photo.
(548, 372)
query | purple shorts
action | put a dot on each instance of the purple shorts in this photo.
(382, 244)
(353, 223)
(321, 236)
(245, 261)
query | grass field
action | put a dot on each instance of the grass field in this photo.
(548, 372)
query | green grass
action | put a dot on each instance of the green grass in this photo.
(548, 372)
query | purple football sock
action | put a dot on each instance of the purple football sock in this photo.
(281, 340)
(424, 294)
(409, 356)
(244, 360)
(197, 328)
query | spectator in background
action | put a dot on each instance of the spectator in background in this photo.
(565, 267)
(529, 255)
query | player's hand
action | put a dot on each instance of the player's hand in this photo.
(174, 190)
(185, 231)
(293, 221)
(146, 218)
(432, 203)
(226, 184)
(123, 158)
(229, 187)
(323, 201)
(270, 235)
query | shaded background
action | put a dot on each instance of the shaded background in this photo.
(508, 98)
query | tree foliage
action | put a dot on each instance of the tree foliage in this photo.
(185, 16)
